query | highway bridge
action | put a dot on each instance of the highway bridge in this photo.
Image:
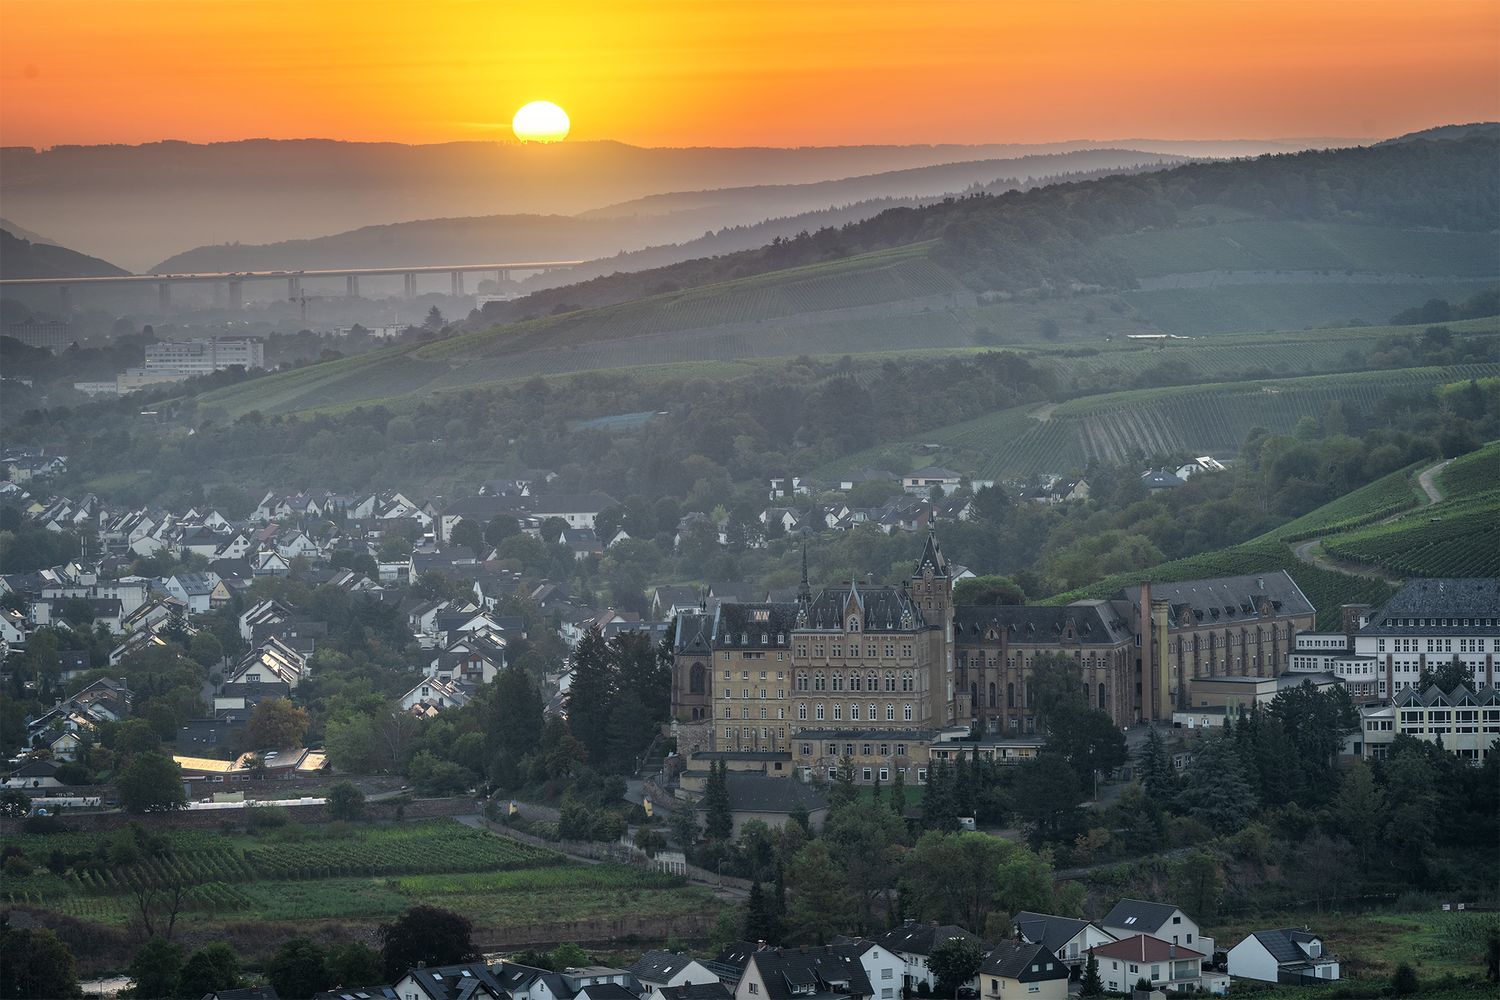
(233, 281)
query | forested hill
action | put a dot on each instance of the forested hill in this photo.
(1049, 237)
(21, 258)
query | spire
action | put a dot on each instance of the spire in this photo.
(804, 591)
(932, 553)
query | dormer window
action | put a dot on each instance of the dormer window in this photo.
(853, 623)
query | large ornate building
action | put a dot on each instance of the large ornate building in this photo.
(892, 659)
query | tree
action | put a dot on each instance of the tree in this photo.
(953, 878)
(954, 963)
(211, 968)
(277, 724)
(467, 534)
(1359, 809)
(898, 793)
(345, 801)
(1155, 766)
(35, 965)
(1447, 676)
(1087, 739)
(434, 320)
(591, 696)
(501, 527)
(135, 736)
(762, 922)
(298, 969)
(425, 934)
(1058, 684)
(1047, 796)
(1093, 985)
(865, 842)
(1404, 981)
(1214, 787)
(353, 963)
(1198, 880)
(718, 815)
(152, 783)
(988, 590)
(940, 800)
(843, 791)
(156, 970)
(1024, 882)
(14, 803)
(820, 906)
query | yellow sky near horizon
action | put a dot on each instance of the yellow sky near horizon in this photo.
(743, 72)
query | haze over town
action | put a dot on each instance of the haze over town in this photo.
(678, 501)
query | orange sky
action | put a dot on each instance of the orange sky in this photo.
(743, 72)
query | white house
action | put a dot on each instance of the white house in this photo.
(1065, 937)
(1286, 955)
(1167, 966)
(885, 969)
(657, 969)
(435, 693)
(912, 942)
(1160, 920)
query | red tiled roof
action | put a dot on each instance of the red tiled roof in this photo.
(1145, 948)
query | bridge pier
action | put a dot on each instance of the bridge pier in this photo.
(164, 296)
(502, 276)
(411, 284)
(293, 289)
(458, 282)
(236, 294)
(351, 286)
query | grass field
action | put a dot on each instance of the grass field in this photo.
(361, 873)
(1370, 946)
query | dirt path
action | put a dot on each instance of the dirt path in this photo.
(1043, 413)
(1311, 551)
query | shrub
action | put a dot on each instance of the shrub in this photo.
(267, 817)
(1404, 981)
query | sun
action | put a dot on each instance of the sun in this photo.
(540, 121)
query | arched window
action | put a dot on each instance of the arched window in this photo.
(1101, 696)
(890, 680)
(907, 683)
(890, 712)
(872, 715)
(872, 682)
(818, 711)
(838, 681)
(838, 712)
(696, 679)
(854, 711)
(801, 680)
(906, 712)
(854, 682)
(1010, 695)
(853, 623)
(992, 695)
(802, 713)
(820, 683)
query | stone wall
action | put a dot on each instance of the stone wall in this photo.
(212, 819)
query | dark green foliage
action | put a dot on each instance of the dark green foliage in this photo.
(156, 970)
(152, 783)
(1093, 985)
(954, 963)
(354, 963)
(1155, 766)
(718, 818)
(35, 965)
(425, 934)
(515, 705)
(346, 801)
(1215, 789)
(297, 970)
(762, 922)
(1404, 981)
(211, 968)
(1047, 796)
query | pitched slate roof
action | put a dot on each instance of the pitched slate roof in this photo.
(608, 991)
(913, 938)
(1286, 944)
(457, 982)
(1046, 930)
(881, 609)
(832, 970)
(1226, 598)
(1139, 915)
(1093, 623)
(1476, 599)
(762, 793)
(659, 966)
(1029, 963)
(697, 991)
(753, 626)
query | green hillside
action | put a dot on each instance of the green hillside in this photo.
(1136, 424)
(1458, 536)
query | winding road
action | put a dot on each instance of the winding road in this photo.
(1311, 550)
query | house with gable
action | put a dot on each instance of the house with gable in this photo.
(472, 981)
(657, 969)
(912, 942)
(1160, 920)
(1065, 937)
(1285, 955)
(1021, 968)
(832, 972)
(1173, 968)
(274, 661)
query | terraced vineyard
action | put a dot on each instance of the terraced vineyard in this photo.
(1459, 538)
(1384, 497)
(1472, 473)
(368, 873)
(1128, 426)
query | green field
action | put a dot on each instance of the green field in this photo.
(1384, 497)
(361, 873)
(1454, 538)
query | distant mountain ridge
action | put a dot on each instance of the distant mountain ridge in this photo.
(142, 204)
(22, 258)
(658, 230)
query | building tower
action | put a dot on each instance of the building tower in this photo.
(932, 593)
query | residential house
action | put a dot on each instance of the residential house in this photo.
(265, 612)
(33, 774)
(883, 968)
(832, 972)
(605, 991)
(772, 800)
(432, 694)
(1162, 920)
(716, 990)
(1286, 955)
(923, 480)
(669, 601)
(658, 969)
(195, 590)
(274, 660)
(1156, 480)
(472, 981)
(1203, 463)
(1067, 938)
(912, 942)
(1015, 969)
(1167, 966)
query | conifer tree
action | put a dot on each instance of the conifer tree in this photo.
(591, 696)
(719, 816)
(1156, 766)
(1093, 985)
(898, 793)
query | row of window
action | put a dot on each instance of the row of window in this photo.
(1440, 622)
(865, 749)
(818, 682)
(836, 651)
(856, 714)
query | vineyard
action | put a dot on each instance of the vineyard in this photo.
(1472, 473)
(362, 873)
(1384, 497)
(1449, 539)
